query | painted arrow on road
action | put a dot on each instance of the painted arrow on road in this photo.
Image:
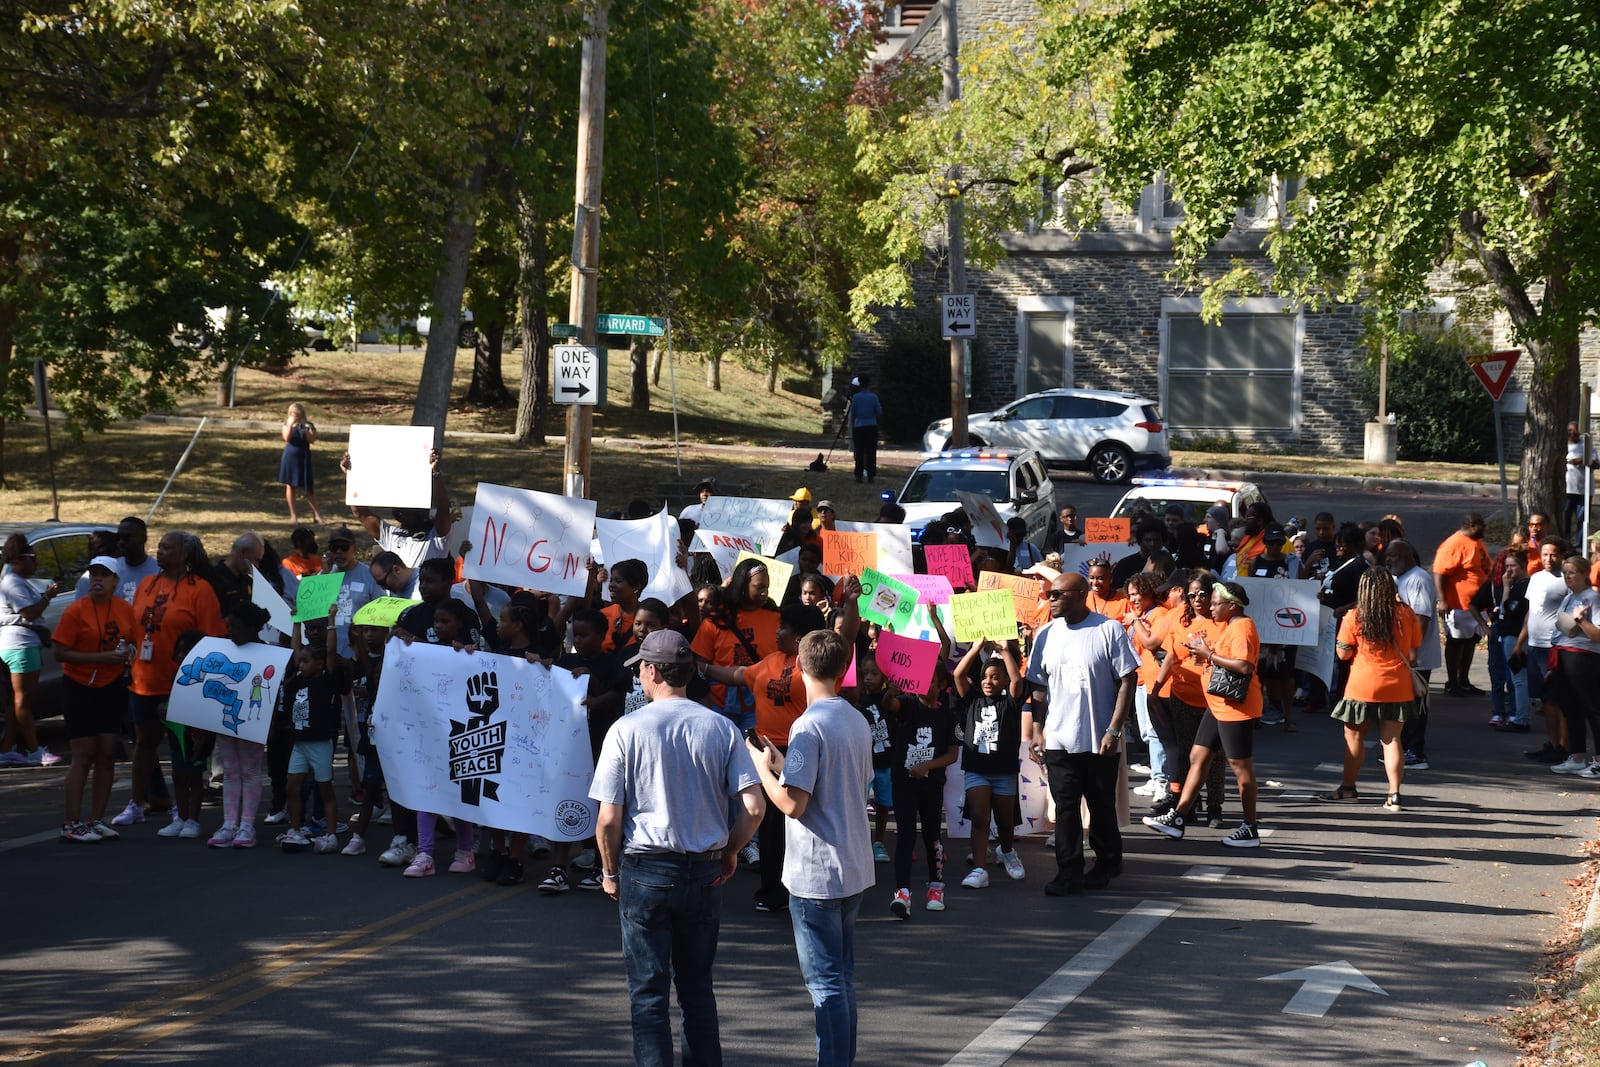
(1321, 986)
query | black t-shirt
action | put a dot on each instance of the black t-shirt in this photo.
(991, 736)
(1262, 567)
(1506, 611)
(1344, 576)
(878, 723)
(1323, 565)
(1126, 568)
(917, 734)
(418, 621)
(316, 705)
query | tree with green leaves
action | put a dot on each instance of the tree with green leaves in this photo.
(1431, 138)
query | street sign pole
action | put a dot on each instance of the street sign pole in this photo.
(586, 236)
(1500, 454)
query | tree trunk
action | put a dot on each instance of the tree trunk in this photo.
(638, 358)
(439, 362)
(772, 372)
(488, 378)
(714, 371)
(1552, 387)
(533, 298)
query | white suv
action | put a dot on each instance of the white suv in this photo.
(1017, 482)
(1111, 435)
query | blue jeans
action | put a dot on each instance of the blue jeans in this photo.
(1516, 682)
(671, 912)
(1152, 739)
(825, 940)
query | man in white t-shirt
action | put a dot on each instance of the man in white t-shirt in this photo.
(827, 860)
(1576, 501)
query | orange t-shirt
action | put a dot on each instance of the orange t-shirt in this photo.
(1113, 607)
(617, 622)
(780, 692)
(1249, 549)
(89, 627)
(1463, 563)
(722, 647)
(1159, 619)
(302, 564)
(1185, 681)
(162, 611)
(1379, 672)
(1236, 639)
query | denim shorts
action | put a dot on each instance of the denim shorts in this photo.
(1000, 785)
(21, 660)
(313, 757)
(881, 790)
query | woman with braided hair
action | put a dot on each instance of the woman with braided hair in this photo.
(1380, 638)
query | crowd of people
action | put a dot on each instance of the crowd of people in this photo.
(732, 701)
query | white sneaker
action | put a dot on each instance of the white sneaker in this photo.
(399, 853)
(1592, 771)
(977, 878)
(172, 829)
(587, 860)
(277, 817)
(356, 847)
(1139, 768)
(1013, 862)
(1571, 765)
(463, 862)
(325, 844)
(190, 828)
(129, 815)
(224, 836)
(1149, 789)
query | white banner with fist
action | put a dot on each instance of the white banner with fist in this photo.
(495, 740)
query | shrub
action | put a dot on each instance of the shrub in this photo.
(1441, 409)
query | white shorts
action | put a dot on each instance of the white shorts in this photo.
(1460, 624)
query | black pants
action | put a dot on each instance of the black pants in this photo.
(1414, 732)
(769, 839)
(1580, 698)
(1091, 777)
(1185, 724)
(865, 441)
(917, 800)
(280, 745)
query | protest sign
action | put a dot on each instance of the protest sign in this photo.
(460, 532)
(1026, 595)
(389, 467)
(229, 689)
(723, 547)
(848, 553)
(886, 601)
(384, 611)
(1075, 559)
(317, 594)
(1107, 531)
(778, 574)
(975, 616)
(952, 561)
(759, 519)
(907, 662)
(988, 528)
(495, 740)
(654, 542)
(528, 539)
(931, 588)
(1283, 609)
(1033, 800)
(1316, 659)
(263, 595)
(894, 544)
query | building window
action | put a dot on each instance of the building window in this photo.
(1044, 343)
(1160, 208)
(1241, 374)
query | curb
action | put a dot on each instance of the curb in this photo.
(1589, 939)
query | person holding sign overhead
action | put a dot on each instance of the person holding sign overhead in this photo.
(1083, 671)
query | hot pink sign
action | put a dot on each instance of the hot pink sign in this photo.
(952, 561)
(907, 662)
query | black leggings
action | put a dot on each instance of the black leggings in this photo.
(1185, 726)
(916, 799)
(1580, 697)
(770, 841)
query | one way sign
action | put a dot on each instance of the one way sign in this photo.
(960, 315)
(578, 370)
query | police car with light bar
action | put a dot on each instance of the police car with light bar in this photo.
(1016, 481)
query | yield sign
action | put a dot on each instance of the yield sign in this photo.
(1494, 369)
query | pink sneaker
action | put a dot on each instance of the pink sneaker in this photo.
(421, 867)
(463, 863)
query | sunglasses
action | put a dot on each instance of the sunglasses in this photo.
(1062, 594)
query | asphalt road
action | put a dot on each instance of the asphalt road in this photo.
(151, 950)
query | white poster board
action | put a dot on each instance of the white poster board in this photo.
(495, 740)
(263, 595)
(988, 528)
(229, 689)
(1033, 798)
(1317, 659)
(460, 532)
(389, 467)
(653, 541)
(1283, 609)
(760, 519)
(530, 540)
(723, 547)
(1075, 559)
(894, 544)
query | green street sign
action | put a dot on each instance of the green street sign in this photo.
(642, 325)
(563, 329)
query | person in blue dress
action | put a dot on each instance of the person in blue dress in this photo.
(294, 470)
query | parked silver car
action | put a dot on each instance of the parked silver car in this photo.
(63, 553)
(1111, 435)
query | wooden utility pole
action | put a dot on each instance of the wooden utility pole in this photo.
(586, 235)
(953, 239)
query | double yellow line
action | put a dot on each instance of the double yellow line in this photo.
(150, 1021)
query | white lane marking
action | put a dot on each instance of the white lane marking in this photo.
(1265, 831)
(1321, 986)
(1331, 768)
(1297, 796)
(1007, 1034)
(1205, 872)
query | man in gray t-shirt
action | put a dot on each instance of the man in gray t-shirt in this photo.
(664, 779)
(827, 862)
